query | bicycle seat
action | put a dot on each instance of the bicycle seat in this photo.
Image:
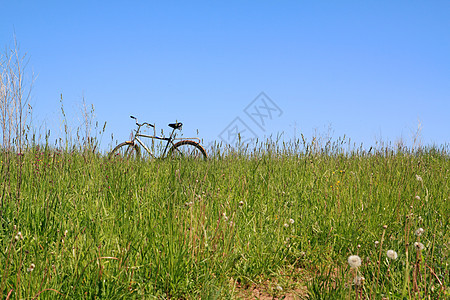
(177, 125)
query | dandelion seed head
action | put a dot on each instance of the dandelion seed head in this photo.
(419, 231)
(354, 261)
(392, 254)
(419, 246)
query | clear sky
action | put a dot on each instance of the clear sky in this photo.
(370, 70)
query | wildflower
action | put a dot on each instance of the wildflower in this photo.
(392, 254)
(384, 226)
(419, 231)
(286, 225)
(419, 246)
(241, 203)
(31, 268)
(377, 243)
(354, 261)
(419, 178)
(417, 197)
(291, 221)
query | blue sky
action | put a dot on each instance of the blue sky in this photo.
(370, 70)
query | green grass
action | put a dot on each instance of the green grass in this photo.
(271, 219)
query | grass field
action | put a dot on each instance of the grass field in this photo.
(269, 223)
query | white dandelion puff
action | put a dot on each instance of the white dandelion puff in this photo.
(419, 231)
(392, 254)
(354, 261)
(419, 246)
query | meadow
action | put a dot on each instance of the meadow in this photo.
(274, 222)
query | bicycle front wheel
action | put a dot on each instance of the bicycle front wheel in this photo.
(125, 150)
(187, 150)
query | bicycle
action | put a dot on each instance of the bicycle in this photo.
(185, 147)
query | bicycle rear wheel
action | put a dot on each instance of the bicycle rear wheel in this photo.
(187, 149)
(125, 150)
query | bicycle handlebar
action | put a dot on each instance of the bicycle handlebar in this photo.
(145, 123)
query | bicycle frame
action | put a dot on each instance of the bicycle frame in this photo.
(169, 139)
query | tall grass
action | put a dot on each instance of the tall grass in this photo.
(279, 221)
